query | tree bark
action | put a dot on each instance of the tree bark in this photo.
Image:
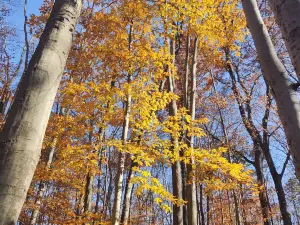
(186, 72)
(191, 184)
(275, 73)
(108, 195)
(277, 178)
(24, 130)
(207, 210)
(262, 190)
(176, 167)
(201, 205)
(184, 136)
(88, 192)
(287, 17)
(120, 173)
(128, 194)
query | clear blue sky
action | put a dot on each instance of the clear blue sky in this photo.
(16, 18)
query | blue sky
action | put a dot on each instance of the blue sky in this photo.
(16, 18)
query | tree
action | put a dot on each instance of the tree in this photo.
(24, 129)
(286, 14)
(277, 77)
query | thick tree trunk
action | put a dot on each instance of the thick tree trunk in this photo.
(287, 16)
(24, 130)
(275, 73)
(191, 185)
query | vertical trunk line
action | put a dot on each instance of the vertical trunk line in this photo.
(191, 186)
(120, 173)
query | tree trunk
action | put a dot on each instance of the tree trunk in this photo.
(120, 173)
(229, 208)
(277, 178)
(286, 217)
(24, 130)
(262, 190)
(287, 16)
(186, 72)
(207, 210)
(97, 206)
(88, 192)
(40, 194)
(128, 194)
(176, 167)
(191, 185)
(201, 205)
(236, 208)
(107, 200)
(276, 75)
(186, 105)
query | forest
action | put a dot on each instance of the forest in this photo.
(150, 112)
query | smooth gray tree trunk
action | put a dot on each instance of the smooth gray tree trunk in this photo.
(287, 17)
(24, 129)
(275, 73)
